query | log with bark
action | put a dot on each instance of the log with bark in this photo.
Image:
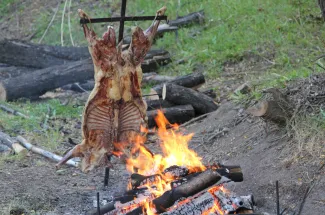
(176, 114)
(279, 109)
(158, 104)
(8, 71)
(12, 143)
(37, 83)
(193, 80)
(24, 54)
(181, 95)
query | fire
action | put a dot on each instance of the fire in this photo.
(175, 151)
(174, 147)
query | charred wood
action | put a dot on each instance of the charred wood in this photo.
(152, 64)
(180, 95)
(195, 185)
(158, 104)
(7, 71)
(209, 93)
(193, 80)
(176, 114)
(195, 17)
(18, 53)
(37, 83)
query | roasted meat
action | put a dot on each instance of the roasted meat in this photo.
(115, 111)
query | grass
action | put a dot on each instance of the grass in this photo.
(287, 33)
(43, 125)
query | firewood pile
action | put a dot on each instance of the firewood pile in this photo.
(198, 192)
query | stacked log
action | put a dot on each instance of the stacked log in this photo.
(182, 100)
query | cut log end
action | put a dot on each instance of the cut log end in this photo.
(259, 110)
(3, 93)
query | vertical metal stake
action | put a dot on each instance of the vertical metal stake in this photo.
(277, 198)
(121, 29)
(106, 177)
(98, 205)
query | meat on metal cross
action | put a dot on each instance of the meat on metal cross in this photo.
(122, 19)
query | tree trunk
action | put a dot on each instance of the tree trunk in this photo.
(177, 114)
(180, 95)
(37, 83)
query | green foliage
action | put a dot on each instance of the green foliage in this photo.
(37, 113)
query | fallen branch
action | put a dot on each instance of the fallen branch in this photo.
(45, 153)
(11, 143)
(12, 111)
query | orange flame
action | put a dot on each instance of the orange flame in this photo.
(175, 151)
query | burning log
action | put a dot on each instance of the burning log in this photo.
(213, 201)
(234, 173)
(193, 80)
(195, 185)
(180, 95)
(35, 84)
(176, 114)
(11, 143)
(158, 104)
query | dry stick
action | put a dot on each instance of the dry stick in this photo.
(12, 111)
(43, 152)
(49, 25)
(62, 22)
(69, 23)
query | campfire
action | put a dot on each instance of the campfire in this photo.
(176, 181)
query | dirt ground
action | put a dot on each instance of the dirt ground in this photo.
(264, 151)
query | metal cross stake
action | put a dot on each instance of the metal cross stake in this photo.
(120, 19)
